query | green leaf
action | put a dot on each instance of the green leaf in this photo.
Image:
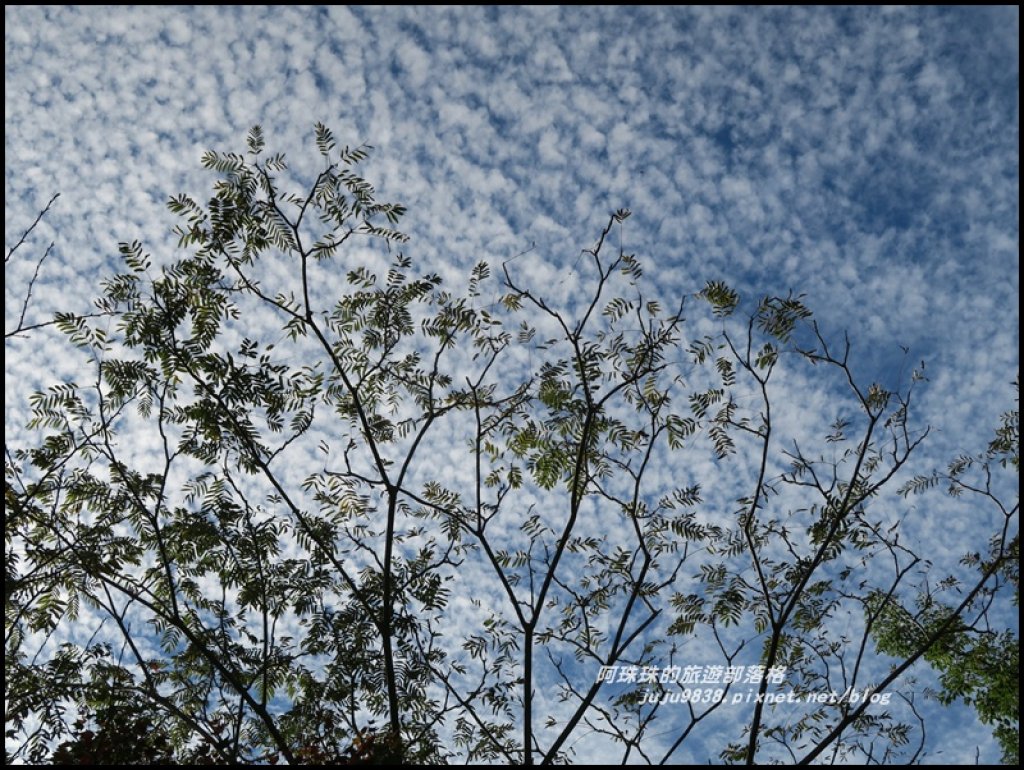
(324, 139)
(255, 140)
(723, 300)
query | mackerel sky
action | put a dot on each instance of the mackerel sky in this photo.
(866, 157)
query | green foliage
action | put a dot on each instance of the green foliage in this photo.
(722, 298)
(535, 474)
(224, 413)
(979, 667)
(118, 736)
(1005, 446)
(977, 664)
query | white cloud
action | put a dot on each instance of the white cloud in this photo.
(866, 156)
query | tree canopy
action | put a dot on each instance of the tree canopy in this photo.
(308, 504)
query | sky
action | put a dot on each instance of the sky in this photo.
(865, 157)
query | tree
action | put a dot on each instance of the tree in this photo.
(979, 661)
(281, 524)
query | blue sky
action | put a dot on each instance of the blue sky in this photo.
(867, 157)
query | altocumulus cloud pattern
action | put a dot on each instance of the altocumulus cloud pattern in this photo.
(867, 157)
